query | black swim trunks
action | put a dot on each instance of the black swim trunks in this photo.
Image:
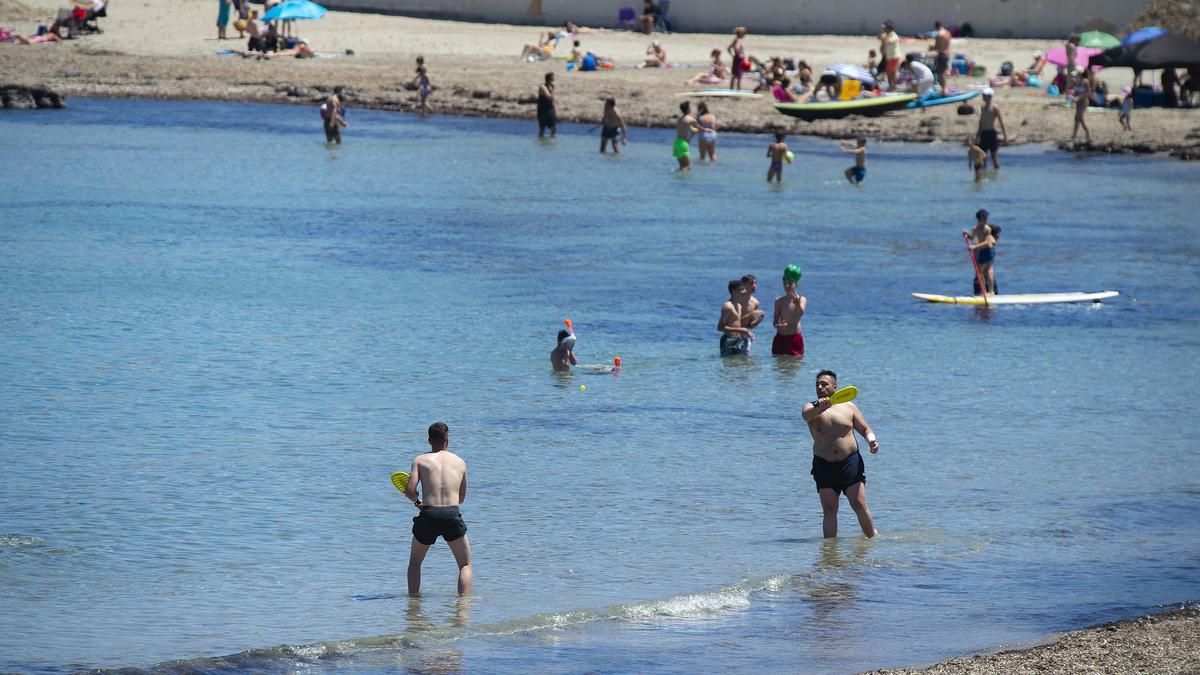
(985, 255)
(989, 140)
(838, 476)
(610, 132)
(438, 521)
(941, 63)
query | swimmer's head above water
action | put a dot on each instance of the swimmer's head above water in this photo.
(566, 340)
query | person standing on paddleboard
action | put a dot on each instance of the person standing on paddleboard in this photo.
(837, 464)
(984, 249)
(442, 476)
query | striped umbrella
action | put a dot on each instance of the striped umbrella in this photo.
(83, 4)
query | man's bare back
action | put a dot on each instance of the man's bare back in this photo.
(442, 476)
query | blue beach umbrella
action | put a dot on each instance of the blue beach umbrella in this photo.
(295, 9)
(1143, 34)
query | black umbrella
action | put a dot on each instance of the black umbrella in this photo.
(1164, 51)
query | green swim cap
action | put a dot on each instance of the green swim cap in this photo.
(791, 273)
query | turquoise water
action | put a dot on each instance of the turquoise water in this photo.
(218, 337)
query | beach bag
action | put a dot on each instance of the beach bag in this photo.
(1006, 68)
(589, 62)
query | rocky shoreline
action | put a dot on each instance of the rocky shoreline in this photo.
(23, 97)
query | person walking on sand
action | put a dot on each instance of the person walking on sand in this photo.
(858, 172)
(976, 158)
(331, 115)
(837, 464)
(685, 126)
(989, 117)
(1083, 98)
(777, 151)
(737, 50)
(941, 63)
(612, 125)
(547, 116)
(735, 336)
(708, 137)
(222, 17)
(441, 477)
(984, 250)
(1126, 109)
(789, 307)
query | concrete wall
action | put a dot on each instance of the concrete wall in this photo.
(989, 18)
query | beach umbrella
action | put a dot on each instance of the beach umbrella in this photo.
(853, 72)
(1165, 51)
(295, 9)
(1143, 34)
(83, 4)
(1058, 55)
(1098, 39)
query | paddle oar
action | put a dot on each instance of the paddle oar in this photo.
(978, 276)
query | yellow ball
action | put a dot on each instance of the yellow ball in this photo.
(239, 25)
(582, 387)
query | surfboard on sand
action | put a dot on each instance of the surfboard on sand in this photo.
(721, 93)
(1019, 299)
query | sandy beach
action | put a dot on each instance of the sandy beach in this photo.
(162, 49)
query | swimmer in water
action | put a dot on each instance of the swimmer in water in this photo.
(562, 357)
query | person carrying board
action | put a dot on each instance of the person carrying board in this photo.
(837, 464)
(442, 477)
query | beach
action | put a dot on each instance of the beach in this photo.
(166, 49)
(221, 366)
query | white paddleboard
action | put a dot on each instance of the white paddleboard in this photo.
(721, 93)
(1019, 299)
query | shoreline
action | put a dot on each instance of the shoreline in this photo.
(476, 73)
(1163, 642)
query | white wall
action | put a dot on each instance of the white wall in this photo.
(989, 18)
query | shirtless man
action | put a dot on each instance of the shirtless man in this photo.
(442, 476)
(984, 250)
(837, 463)
(685, 126)
(989, 115)
(941, 45)
(562, 357)
(976, 158)
(754, 314)
(789, 307)
(735, 337)
(331, 114)
(613, 128)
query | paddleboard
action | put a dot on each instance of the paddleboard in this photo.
(1019, 299)
(953, 98)
(836, 109)
(721, 93)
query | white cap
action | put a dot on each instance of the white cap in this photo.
(987, 91)
(1037, 55)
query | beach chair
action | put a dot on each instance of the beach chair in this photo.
(662, 23)
(626, 17)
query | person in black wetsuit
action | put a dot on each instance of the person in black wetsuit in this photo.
(546, 114)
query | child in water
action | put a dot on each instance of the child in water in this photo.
(777, 151)
(858, 172)
(976, 157)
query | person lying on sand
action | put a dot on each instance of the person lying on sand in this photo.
(44, 38)
(541, 51)
(300, 51)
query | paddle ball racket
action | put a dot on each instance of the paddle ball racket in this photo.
(842, 395)
(400, 480)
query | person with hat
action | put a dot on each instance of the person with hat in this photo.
(656, 56)
(989, 116)
(789, 307)
(889, 48)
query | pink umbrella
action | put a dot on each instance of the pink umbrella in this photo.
(1058, 55)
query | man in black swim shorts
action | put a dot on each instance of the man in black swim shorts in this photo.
(442, 476)
(837, 465)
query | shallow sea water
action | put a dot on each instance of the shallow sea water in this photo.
(218, 337)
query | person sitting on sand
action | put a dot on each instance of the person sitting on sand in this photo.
(541, 51)
(44, 38)
(784, 93)
(1020, 77)
(649, 17)
(772, 73)
(804, 75)
(656, 56)
(717, 72)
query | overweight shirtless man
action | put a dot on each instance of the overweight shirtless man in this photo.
(837, 464)
(442, 476)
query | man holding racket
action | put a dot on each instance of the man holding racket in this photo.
(837, 464)
(442, 476)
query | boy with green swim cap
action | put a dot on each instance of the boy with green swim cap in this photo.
(789, 307)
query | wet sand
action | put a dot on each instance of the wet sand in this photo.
(167, 49)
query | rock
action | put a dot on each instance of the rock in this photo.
(481, 93)
(26, 98)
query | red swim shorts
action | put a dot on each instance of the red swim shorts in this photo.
(892, 66)
(788, 345)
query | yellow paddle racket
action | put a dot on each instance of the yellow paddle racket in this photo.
(400, 480)
(844, 394)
